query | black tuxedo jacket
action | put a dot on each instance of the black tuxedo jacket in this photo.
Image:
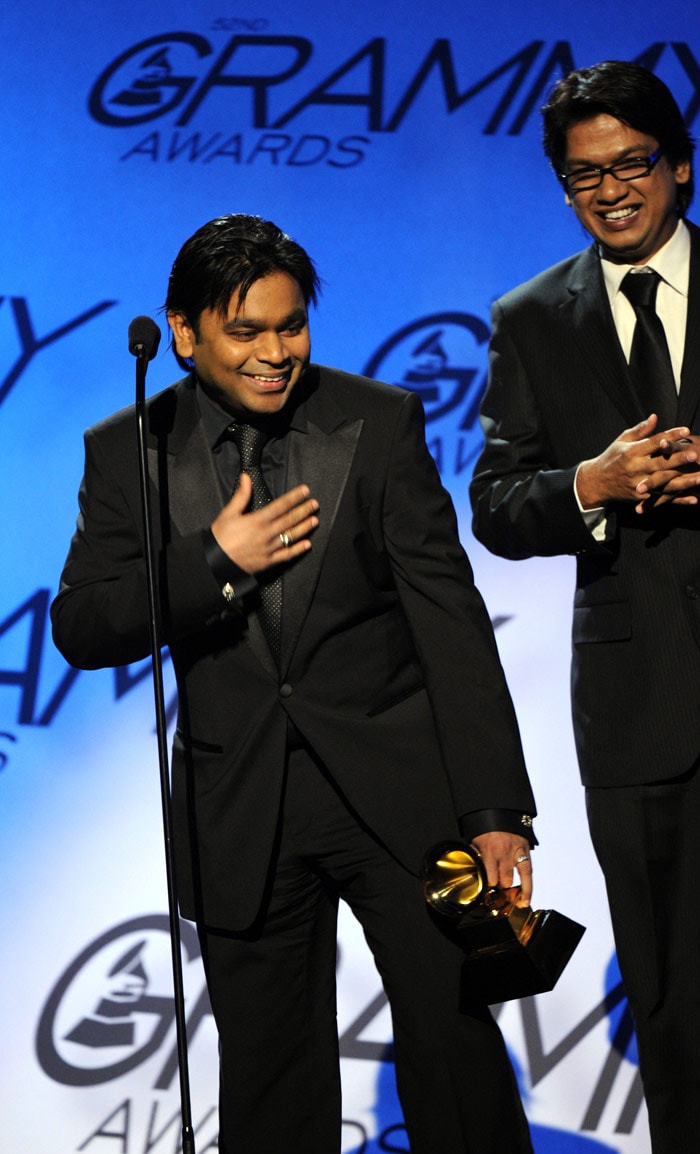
(559, 392)
(389, 667)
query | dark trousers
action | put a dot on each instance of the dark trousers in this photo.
(647, 839)
(273, 995)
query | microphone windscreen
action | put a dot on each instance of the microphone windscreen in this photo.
(144, 337)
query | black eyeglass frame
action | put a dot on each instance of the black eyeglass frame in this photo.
(597, 174)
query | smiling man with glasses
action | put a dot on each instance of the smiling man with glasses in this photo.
(592, 426)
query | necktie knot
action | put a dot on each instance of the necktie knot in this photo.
(250, 441)
(640, 288)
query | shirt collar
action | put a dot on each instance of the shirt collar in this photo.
(671, 262)
(216, 419)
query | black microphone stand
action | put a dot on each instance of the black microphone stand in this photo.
(144, 338)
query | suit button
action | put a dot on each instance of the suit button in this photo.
(285, 690)
(691, 592)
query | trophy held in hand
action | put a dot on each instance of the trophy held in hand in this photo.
(510, 951)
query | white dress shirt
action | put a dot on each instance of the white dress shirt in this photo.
(672, 263)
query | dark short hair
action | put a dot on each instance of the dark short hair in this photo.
(228, 255)
(630, 93)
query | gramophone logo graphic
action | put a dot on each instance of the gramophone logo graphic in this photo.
(111, 1022)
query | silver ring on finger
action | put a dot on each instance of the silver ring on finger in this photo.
(523, 857)
(286, 540)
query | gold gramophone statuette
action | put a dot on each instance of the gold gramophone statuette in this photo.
(510, 951)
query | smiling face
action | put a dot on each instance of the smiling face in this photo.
(250, 359)
(631, 220)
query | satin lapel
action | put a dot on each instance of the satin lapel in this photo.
(588, 313)
(179, 462)
(183, 470)
(690, 375)
(195, 493)
(321, 460)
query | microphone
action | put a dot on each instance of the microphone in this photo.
(144, 338)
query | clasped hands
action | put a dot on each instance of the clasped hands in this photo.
(255, 541)
(647, 467)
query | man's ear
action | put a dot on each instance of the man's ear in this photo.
(567, 200)
(183, 335)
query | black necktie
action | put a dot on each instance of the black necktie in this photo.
(650, 362)
(250, 441)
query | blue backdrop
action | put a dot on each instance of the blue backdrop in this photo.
(400, 144)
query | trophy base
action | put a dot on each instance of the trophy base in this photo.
(514, 956)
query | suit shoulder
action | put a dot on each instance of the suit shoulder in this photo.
(354, 391)
(552, 283)
(160, 408)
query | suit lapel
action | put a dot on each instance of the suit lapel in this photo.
(179, 462)
(320, 458)
(587, 311)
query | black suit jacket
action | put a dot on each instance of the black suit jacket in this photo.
(559, 392)
(389, 667)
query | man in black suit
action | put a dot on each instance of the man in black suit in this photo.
(317, 756)
(589, 453)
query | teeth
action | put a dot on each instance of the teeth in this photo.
(619, 213)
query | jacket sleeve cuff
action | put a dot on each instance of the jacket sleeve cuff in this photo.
(489, 820)
(233, 581)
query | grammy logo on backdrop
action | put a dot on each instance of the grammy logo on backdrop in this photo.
(510, 951)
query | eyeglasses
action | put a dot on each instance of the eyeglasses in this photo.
(633, 168)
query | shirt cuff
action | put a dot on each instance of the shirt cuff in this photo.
(233, 581)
